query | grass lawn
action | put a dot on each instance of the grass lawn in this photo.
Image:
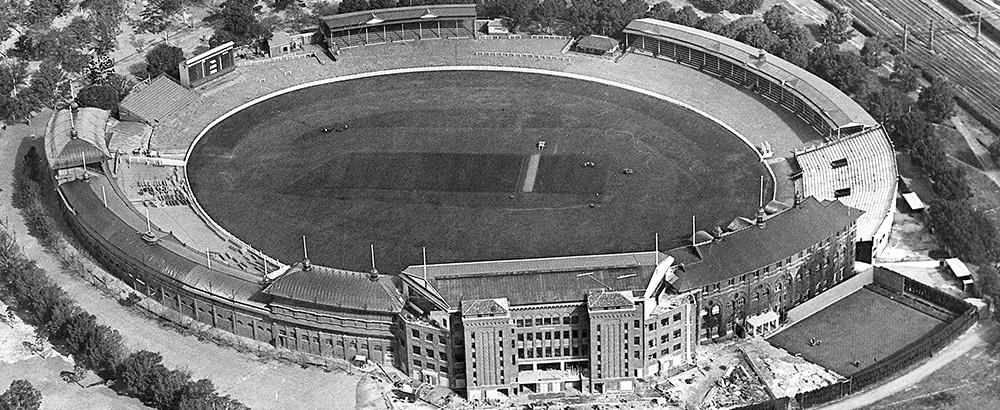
(863, 326)
(437, 160)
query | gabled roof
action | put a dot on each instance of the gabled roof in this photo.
(595, 42)
(608, 300)
(839, 108)
(158, 100)
(279, 38)
(538, 281)
(484, 307)
(337, 288)
(397, 15)
(64, 150)
(784, 235)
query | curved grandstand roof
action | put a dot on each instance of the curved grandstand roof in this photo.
(864, 163)
(838, 108)
(370, 18)
(64, 150)
(337, 288)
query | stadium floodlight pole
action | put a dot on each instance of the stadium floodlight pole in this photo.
(305, 252)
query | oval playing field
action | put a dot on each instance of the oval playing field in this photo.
(450, 161)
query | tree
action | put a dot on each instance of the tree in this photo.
(843, 70)
(749, 30)
(324, 8)
(99, 69)
(633, 9)
(875, 51)
(164, 386)
(238, 19)
(994, 150)
(16, 105)
(907, 129)
(660, 11)
(516, 11)
(712, 24)
(837, 27)
(49, 85)
(106, 17)
(794, 47)
(163, 59)
(884, 104)
(988, 287)
(133, 375)
(11, 14)
(156, 15)
(716, 6)
(779, 20)
(382, 4)
(745, 6)
(685, 16)
(964, 230)
(21, 396)
(40, 13)
(350, 6)
(98, 96)
(937, 100)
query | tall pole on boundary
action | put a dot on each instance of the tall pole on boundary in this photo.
(656, 242)
(305, 252)
(373, 257)
(424, 249)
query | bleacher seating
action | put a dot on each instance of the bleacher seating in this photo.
(870, 174)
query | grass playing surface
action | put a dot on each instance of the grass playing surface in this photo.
(438, 160)
(863, 326)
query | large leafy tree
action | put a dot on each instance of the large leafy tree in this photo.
(163, 59)
(515, 11)
(745, 6)
(937, 100)
(98, 96)
(16, 104)
(842, 69)
(838, 27)
(779, 20)
(11, 16)
(905, 74)
(49, 85)
(715, 6)
(660, 11)
(237, 20)
(685, 16)
(875, 51)
(350, 6)
(21, 396)
(712, 24)
(884, 104)
(965, 230)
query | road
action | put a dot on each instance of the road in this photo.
(243, 376)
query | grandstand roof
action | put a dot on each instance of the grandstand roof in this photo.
(870, 173)
(784, 235)
(397, 15)
(840, 109)
(157, 100)
(337, 288)
(120, 228)
(64, 150)
(538, 281)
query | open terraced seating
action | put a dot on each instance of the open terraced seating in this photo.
(860, 171)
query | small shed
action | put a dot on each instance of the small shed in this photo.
(961, 272)
(598, 45)
(913, 202)
(496, 26)
(279, 44)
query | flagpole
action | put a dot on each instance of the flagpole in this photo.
(657, 250)
(425, 263)
(305, 252)
(373, 257)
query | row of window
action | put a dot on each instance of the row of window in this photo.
(547, 321)
(549, 335)
(428, 337)
(550, 351)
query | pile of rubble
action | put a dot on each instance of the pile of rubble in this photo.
(786, 374)
(738, 387)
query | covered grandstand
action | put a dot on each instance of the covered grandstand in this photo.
(398, 24)
(821, 105)
(860, 171)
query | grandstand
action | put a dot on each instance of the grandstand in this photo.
(860, 171)
(821, 105)
(398, 24)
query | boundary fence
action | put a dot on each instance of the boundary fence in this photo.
(526, 55)
(901, 359)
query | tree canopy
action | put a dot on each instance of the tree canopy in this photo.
(838, 27)
(21, 396)
(164, 59)
(937, 100)
(965, 231)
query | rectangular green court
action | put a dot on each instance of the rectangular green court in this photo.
(864, 326)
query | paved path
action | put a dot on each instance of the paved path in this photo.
(259, 385)
(972, 338)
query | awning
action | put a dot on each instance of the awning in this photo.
(767, 317)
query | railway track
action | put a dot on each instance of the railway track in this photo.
(973, 66)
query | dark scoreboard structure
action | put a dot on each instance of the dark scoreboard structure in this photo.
(206, 66)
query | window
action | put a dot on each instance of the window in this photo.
(538, 321)
(417, 363)
(442, 340)
(651, 327)
(430, 353)
(635, 341)
(664, 322)
(429, 338)
(677, 333)
(547, 321)
(565, 334)
(732, 281)
(637, 325)
(548, 335)
(677, 347)
(677, 317)
(415, 333)
(565, 320)
(575, 319)
(576, 334)
(520, 322)
(651, 343)
(538, 335)
(520, 353)
(520, 337)
(416, 350)
(664, 338)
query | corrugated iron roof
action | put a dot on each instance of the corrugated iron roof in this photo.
(158, 100)
(543, 280)
(65, 151)
(839, 108)
(337, 288)
(752, 248)
(595, 42)
(398, 15)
